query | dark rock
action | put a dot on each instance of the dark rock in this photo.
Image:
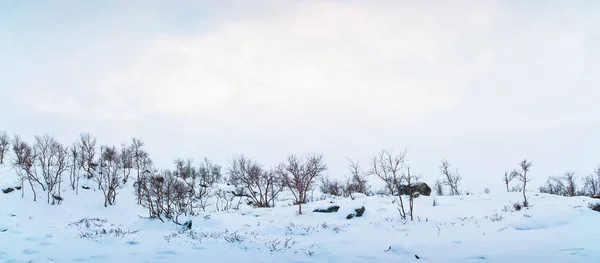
(188, 224)
(596, 197)
(8, 190)
(357, 213)
(595, 207)
(18, 187)
(416, 195)
(331, 209)
(417, 257)
(421, 188)
(360, 211)
(85, 187)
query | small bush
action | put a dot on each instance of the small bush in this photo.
(517, 206)
(495, 217)
(434, 201)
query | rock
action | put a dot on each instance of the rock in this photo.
(18, 187)
(357, 213)
(8, 190)
(416, 195)
(188, 224)
(595, 206)
(421, 188)
(360, 211)
(331, 209)
(85, 187)
(596, 197)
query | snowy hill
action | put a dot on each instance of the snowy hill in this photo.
(474, 228)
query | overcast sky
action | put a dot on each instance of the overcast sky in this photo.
(481, 83)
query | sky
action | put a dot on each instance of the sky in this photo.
(483, 84)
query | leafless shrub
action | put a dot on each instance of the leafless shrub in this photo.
(126, 159)
(434, 201)
(74, 175)
(439, 188)
(299, 174)
(495, 217)
(23, 163)
(517, 206)
(591, 184)
(508, 177)
(331, 187)
(52, 159)
(234, 237)
(164, 195)
(524, 178)
(94, 228)
(388, 167)
(555, 186)
(276, 245)
(109, 178)
(410, 179)
(87, 154)
(451, 179)
(356, 183)
(260, 186)
(570, 178)
(141, 163)
(4, 145)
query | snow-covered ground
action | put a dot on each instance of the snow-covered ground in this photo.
(474, 228)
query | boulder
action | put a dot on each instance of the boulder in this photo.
(360, 211)
(331, 209)
(421, 188)
(8, 190)
(357, 213)
(596, 197)
(595, 206)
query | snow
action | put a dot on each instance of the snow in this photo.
(457, 229)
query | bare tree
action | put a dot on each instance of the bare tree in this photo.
(139, 156)
(598, 176)
(357, 183)
(4, 145)
(260, 186)
(24, 164)
(388, 167)
(299, 174)
(452, 179)
(438, 187)
(410, 180)
(555, 186)
(523, 177)
(109, 178)
(87, 154)
(509, 176)
(126, 157)
(74, 174)
(569, 177)
(53, 160)
(208, 175)
(591, 184)
(209, 172)
(332, 187)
